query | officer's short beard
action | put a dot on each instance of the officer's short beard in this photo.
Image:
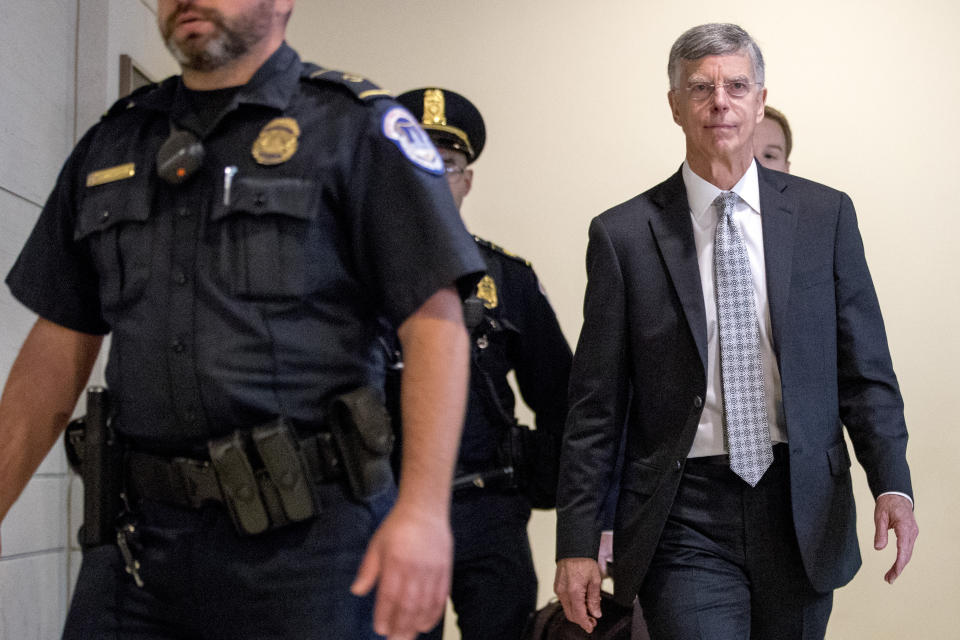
(228, 42)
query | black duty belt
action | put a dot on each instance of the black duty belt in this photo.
(496, 479)
(192, 482)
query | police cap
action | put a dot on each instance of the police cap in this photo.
(451, 120)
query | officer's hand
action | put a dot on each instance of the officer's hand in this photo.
(895, 512)
(577, 585)
(410, 560)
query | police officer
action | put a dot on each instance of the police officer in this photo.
(513, 327)
(239, 230)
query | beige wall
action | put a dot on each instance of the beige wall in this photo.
(574, 95)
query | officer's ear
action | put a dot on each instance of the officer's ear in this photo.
(467, 180)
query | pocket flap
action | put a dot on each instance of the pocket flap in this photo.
(839, 458)
(813, 278)
(639, 477)
(291, 197)
(108, 205)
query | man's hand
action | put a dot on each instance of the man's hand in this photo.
(577, 585)
(895, 512)
(410, 559)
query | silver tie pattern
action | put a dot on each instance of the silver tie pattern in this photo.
(741, 371)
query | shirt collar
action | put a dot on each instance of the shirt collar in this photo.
(272, 85)
(275, 81)
(701, 194)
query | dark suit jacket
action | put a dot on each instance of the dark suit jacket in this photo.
(641, 362)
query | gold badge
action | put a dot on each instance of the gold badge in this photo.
(487, 291)
(111, 174)
(434, 107)
(277, 141)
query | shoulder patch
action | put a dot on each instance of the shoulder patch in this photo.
(402, 128)
(361, 87)
(497, 248)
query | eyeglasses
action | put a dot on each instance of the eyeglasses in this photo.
(735, 89)
(453, 171)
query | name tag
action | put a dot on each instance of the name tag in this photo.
(111, 174)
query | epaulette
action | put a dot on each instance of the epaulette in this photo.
(495, 247)
(131, 99)
(361, 87)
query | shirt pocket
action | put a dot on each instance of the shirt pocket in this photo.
(262, 237)
(113, 224)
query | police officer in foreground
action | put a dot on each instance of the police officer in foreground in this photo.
(503, 468)
(238, 230)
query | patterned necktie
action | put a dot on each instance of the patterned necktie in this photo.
(741, 372)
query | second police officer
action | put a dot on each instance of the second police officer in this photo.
(503, 469)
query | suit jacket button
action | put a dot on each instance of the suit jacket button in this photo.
(679, 466)
(697, 402)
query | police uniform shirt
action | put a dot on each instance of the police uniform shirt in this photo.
(252, 289)
(519, 332)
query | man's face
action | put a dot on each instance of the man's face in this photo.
(770, 145)
(204, 35)
(721, 126)
(459, 177)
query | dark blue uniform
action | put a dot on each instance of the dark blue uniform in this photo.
(250, 291)
(494, 586)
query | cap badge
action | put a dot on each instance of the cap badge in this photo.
(277, 141)
(434, 107)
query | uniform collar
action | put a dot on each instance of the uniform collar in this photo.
(272, 86)
(701, 194)
(275, 81)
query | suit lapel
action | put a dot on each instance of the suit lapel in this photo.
(674, 235)
(778, 216)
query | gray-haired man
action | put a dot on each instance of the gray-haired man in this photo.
(731, 324)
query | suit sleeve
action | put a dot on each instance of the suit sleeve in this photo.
(598, 394)
(870, 403)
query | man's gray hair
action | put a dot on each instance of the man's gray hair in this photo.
(714, 39)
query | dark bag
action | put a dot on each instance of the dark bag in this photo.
(550, 623)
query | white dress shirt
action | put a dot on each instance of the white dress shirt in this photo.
(746, 216)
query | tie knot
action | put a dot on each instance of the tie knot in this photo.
(726, 201)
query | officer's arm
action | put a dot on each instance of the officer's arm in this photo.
(433, 399)
(41, 392)
(410, 555)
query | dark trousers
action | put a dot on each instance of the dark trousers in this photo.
(494, 586)
(203, 581)
(727, 566)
